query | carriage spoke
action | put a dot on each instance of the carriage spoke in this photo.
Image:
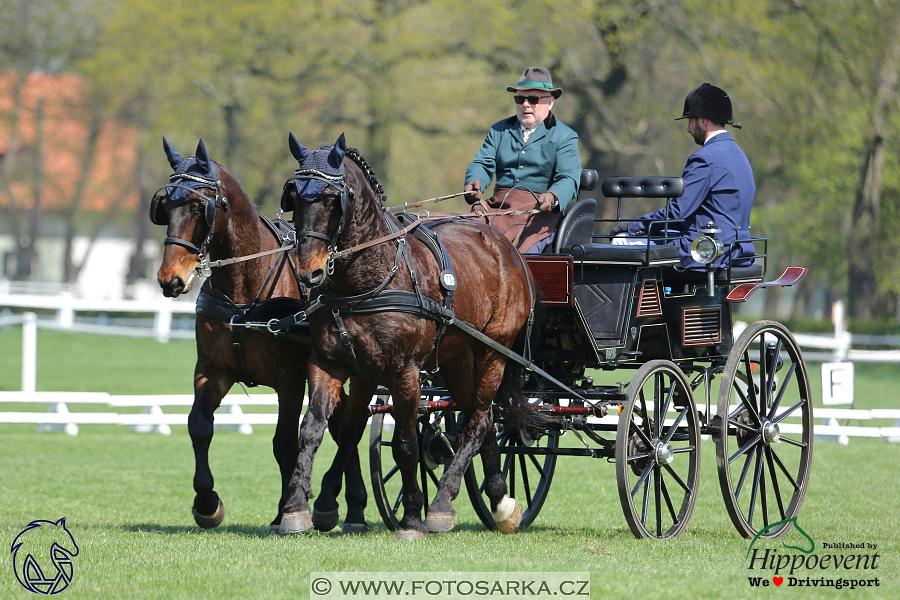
(755, 489)
(775, 489)
(762, 488)
(788, 412)
(394, 470)
(674, 426)
(746, 447)
(641, 434)
(752, 401)
(784, 386)
(743, 426)
(683, 450)
(791, 441)
(665, 491)
(783, 468)
(537, 465)
(770, 380)
(740, 485)
(645, 420)
(525, 483)
(657, 496)
(677, 478)
(433, 477)
(644, 475)
(646, 504)
(398, 501)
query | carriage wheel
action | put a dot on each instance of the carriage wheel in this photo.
(764, 459)
(658, 452)
(528, 475)
(437, 437)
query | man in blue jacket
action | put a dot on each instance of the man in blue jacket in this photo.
(718, 183)
(534, 158)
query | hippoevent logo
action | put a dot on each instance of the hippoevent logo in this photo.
(42, 556)
(805, 567)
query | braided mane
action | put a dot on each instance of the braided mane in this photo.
(369, 172)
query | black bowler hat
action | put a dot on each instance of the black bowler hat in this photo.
(535, 78)
(708, 102)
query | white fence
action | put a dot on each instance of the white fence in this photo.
(231, 415)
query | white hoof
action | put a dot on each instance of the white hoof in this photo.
(508, 515)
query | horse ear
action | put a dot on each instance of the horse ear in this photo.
(175, 159)
(203, 158)
(336, 156)
(297, 149)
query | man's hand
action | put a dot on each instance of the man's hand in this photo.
(473, 189)
(547, 201)
(620, 228)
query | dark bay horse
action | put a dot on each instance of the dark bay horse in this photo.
(374, 321)
(209, 217)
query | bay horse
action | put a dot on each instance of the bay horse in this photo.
(375, 321)
(209, 217)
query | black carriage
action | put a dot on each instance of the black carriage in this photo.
(611, 308)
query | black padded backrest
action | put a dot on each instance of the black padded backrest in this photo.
(576, 226)
(643, 187)
(589, 180)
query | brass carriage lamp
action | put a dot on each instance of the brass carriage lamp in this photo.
(705, 249)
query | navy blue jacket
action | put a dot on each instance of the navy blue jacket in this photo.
(718, 187)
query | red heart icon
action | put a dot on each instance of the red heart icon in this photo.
(778, 580)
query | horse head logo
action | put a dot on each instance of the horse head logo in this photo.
(36, 548)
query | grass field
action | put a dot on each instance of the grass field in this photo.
(127, 501)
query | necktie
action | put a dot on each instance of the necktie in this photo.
(526, 133)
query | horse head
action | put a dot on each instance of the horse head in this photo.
(189, 207)
(321, 197)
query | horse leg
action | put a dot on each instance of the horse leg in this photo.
(479, 423)
(506, 511)
(407, 391)
(324, 393)
(291, 386)
(209, 389)
(347, 424)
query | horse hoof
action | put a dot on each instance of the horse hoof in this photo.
(325, 521)
(355, 528)
(508, 515)
(410, 535)
(295, 522)
(439, 522)
(210, 521)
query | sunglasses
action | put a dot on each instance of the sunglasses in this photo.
(533, 99)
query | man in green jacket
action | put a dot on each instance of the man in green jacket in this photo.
(534, 158)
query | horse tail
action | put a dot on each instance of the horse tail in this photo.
(517, 409)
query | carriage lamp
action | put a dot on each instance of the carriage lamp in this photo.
(705, 249)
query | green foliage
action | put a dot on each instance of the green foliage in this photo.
(415, 85)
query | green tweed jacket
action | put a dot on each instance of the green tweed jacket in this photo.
(548, 162)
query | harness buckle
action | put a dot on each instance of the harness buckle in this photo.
(275, 332)
(203, 267)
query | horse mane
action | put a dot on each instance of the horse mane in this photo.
(368, 171)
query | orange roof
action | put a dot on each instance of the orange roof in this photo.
(64, 131)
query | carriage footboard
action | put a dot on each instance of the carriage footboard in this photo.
(790, 276)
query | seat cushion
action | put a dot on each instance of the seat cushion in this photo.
(636, 255)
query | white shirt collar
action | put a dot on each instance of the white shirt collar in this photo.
(713, 134)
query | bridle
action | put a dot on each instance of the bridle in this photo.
(337, 181)
(211, 210)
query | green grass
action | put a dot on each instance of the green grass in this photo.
(127, 500)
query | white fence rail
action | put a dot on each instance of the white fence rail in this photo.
(231, 415)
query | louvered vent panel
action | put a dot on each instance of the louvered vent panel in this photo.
(648, 304)
(701, 326)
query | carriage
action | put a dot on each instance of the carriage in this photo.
(607, 310)
(611, 309)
